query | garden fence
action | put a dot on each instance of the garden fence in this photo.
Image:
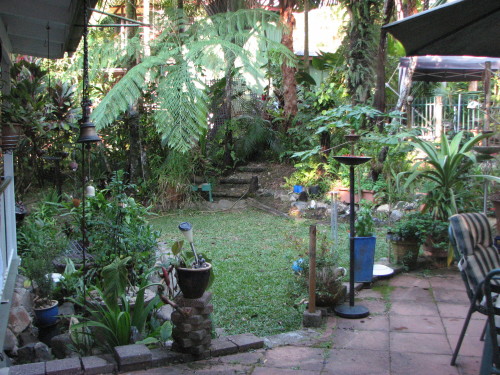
(452, 113)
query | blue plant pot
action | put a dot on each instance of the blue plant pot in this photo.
(298, 189)
(48, 316)
(364, 257)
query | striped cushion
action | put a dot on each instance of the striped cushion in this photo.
(477, 265)
(469, 231)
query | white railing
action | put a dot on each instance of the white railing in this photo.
(7, 225)
(456, 113)
(9, 261)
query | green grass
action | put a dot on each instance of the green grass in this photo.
(252, 254)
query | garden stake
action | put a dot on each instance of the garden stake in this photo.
(334, 218)
(312, 269)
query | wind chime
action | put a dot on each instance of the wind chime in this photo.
(88, 134)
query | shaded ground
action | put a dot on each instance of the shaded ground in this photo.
(413, 327)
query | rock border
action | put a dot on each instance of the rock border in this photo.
(134, 357)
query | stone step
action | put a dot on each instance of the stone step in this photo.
(230, 191)
(251, 169)
(237, 179)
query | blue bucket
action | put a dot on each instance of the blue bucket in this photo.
(298, 189)
(364, 256)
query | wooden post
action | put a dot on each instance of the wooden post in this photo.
(312, 269)
(487, 98)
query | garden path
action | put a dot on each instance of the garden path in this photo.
(413, 327)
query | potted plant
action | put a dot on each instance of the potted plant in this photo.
(13, 116)
(364, 243)
(40, 241)
(194, 273)
(25, 105)
(406, 236)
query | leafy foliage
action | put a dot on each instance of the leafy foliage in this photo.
(448, 164)
(364, 220)
(174, 72)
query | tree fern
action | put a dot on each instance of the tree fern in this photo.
(175, 69)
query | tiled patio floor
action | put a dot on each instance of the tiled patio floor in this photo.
(413, 327)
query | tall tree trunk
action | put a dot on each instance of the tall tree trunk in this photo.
(306, 35)
(379, 100)
(360, 54)
(132, 117)
(288, 73)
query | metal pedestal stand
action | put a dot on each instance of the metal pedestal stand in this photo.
(351, 311)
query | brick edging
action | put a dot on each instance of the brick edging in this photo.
(135, 357)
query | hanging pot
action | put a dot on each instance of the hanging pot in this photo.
(10, 135)
(193, 281)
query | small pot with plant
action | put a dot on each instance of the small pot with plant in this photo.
(40, 241)
(406, 236)
(364, 244)
(194, 273)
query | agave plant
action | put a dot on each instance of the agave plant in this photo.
(448, 164)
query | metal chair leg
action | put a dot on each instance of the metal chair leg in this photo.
(462, 334)
(484, 330)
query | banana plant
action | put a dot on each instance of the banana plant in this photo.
(446, 166)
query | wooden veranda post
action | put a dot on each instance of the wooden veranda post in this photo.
(312, 269)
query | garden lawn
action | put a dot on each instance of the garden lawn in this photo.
(252, 252)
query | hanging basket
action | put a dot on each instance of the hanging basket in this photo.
(10, 136)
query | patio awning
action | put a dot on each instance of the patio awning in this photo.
(450, 68)
(462, 27)
(23, 26)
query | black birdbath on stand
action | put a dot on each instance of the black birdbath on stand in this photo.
(351, 311)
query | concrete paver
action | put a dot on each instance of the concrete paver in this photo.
(412, 329)
(417, 324)
(421, 364)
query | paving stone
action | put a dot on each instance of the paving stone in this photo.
(28, 369)
(471, 346)
(375, 306)
(65, 366)
(222, 346)
(421, 364)
(468, 365)
(451, 296)
(414, 309)
(453, 310)
(356, 361)
(411, 294)
(448, 283)
(417, 324)
(293, 357)
(453, 326)
(419, 343)
(246, 341)
(282, 371)
(133, 357)
(245, 358)
(409, 280)
(94, 365)
(374, 340)
(370, 323)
